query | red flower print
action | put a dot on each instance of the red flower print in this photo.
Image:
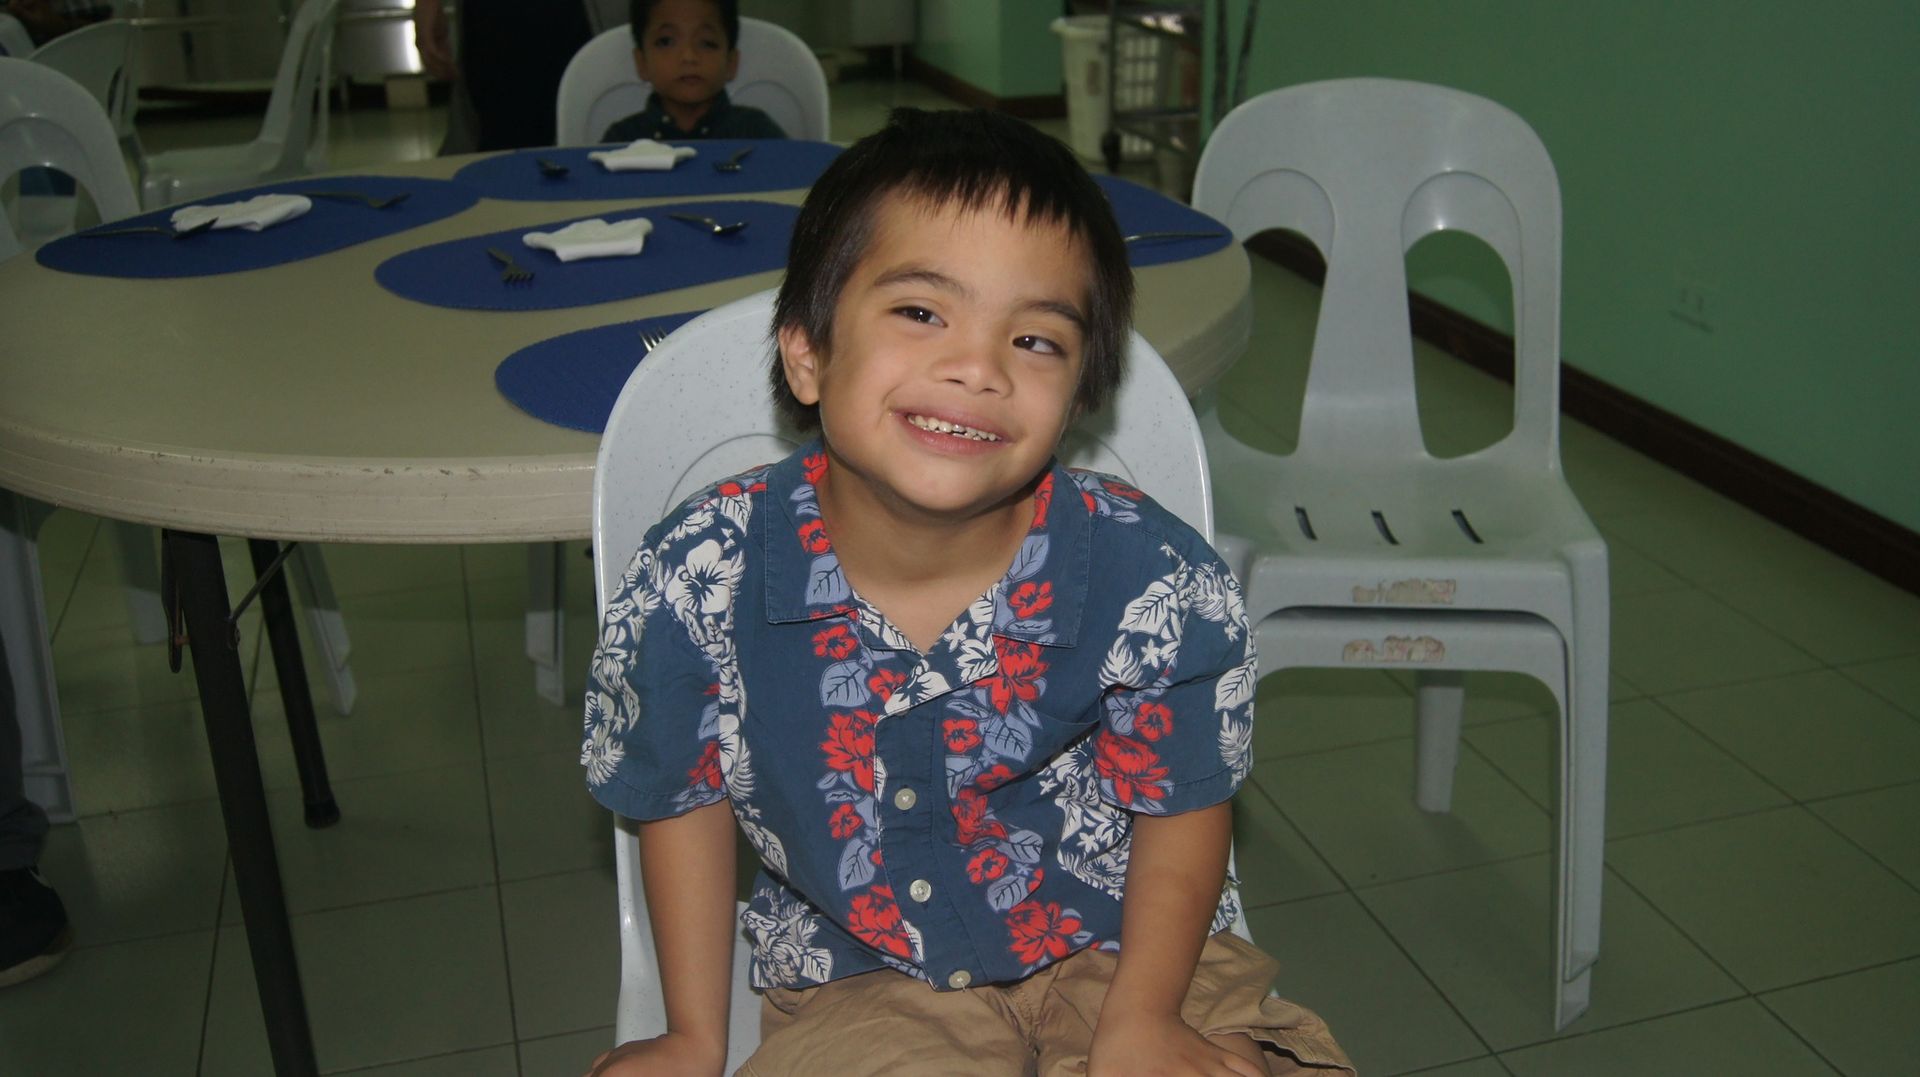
(970, 818)
(834, 641)
(875, 920)
(986, 865)
(1088, 498)
(849, 746)
(1132, 767)
(1121, 489)
(1019, 676)
(884, 682)
(814, 467)
(994, 777)
(1153, 720)
(962, 734)
(813, 536)
(1041, 932)
(1028, 600)
(1042, 500)
(707, 771)
(844, 822)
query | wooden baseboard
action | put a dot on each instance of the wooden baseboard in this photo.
(1039, 107)
(1868, 539)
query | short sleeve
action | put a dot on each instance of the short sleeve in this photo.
(651, 747)
(1177, 728)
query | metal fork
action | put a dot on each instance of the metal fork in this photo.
(511, 272)
(1138, 237)
(650, 339)
(152, 229)
(732, 164)
(551, 169)
(370, 201)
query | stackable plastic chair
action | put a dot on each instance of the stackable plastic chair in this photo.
(292, 139)
(1361, 549)
(14, 39)
(97, 57)
(697, 410)
(778, 75)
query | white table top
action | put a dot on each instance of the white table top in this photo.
(304, 401)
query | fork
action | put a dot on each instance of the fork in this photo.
(511, 272)
(370, 201)
(732, 164)
(708, 224)
(649, 340)
(153, 229)
(1142, 236)
(551, 169)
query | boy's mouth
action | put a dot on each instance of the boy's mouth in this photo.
(942, 426)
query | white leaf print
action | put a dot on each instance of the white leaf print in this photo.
(1122, 666)
(1151, 612)
(1235, 687)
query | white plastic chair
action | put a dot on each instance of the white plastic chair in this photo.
(97, 57)
(653, 456)
(778, 75)
(292, 137)
(1365, 550)
(14, 39)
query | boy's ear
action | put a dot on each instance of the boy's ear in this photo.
(733, 64)
(640, 64)
(801, 362)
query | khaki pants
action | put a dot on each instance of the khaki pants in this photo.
(888, 1022)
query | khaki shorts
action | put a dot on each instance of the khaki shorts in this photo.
(887, 1022)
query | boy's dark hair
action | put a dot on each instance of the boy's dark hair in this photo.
(639, 11)
(971, 159)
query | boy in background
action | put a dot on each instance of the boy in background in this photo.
(980, 715)
(688, 50)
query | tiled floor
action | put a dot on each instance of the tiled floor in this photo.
(1763, 886)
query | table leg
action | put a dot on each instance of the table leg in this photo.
(296, 698)
(202, 587)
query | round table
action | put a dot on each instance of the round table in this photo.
(305, 402)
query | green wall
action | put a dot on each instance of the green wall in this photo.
(1762, 151)
(1000, 46)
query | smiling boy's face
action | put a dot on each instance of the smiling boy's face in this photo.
(685, 53)
(957, 346)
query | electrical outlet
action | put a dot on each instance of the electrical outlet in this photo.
(1693, 303)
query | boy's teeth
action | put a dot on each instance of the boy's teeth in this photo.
(941, 426)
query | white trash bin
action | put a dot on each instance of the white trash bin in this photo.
(1141, 82)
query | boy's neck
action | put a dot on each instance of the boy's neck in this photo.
(686, 117)
(920, 571)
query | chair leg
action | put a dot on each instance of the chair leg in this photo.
(26, 660)
(328, 627)
(1583, 815)
(140, 580)
(1439, 702)
(547, 618)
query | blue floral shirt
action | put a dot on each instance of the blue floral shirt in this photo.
(962, 815)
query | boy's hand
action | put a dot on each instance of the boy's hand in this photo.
(671, 1054)
(1161, 1046)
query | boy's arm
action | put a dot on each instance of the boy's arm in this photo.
(1174, 875)
(687, 866)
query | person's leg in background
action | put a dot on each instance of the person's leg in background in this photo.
(33, 924)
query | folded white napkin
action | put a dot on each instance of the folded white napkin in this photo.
(593, 238)
(643, 155)
(260, 211)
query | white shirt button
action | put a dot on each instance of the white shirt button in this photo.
(920, 890)
(959, 980)
(905, 798)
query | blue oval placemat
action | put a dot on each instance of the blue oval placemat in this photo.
(460, 274)
(1142, 209)
(776, 164)
(329, 226)
(573, 379)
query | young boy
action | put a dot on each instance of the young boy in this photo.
(979, 715)
(689, 50)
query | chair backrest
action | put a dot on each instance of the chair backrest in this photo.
(99, 57)
(14, 39)
(778, 75)
(1365, 168)
(698, 409)
(299, 92)
(48, 120)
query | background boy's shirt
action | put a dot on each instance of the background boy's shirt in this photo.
(961, 816)
(723, 120)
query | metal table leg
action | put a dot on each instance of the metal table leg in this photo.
(296, 698)
(202, 591)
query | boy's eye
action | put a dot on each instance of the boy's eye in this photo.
(1038, 344)
(919, 314)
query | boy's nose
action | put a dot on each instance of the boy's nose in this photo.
(978, 365)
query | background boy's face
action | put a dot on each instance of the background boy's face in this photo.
(685, 53)
(957, 346)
